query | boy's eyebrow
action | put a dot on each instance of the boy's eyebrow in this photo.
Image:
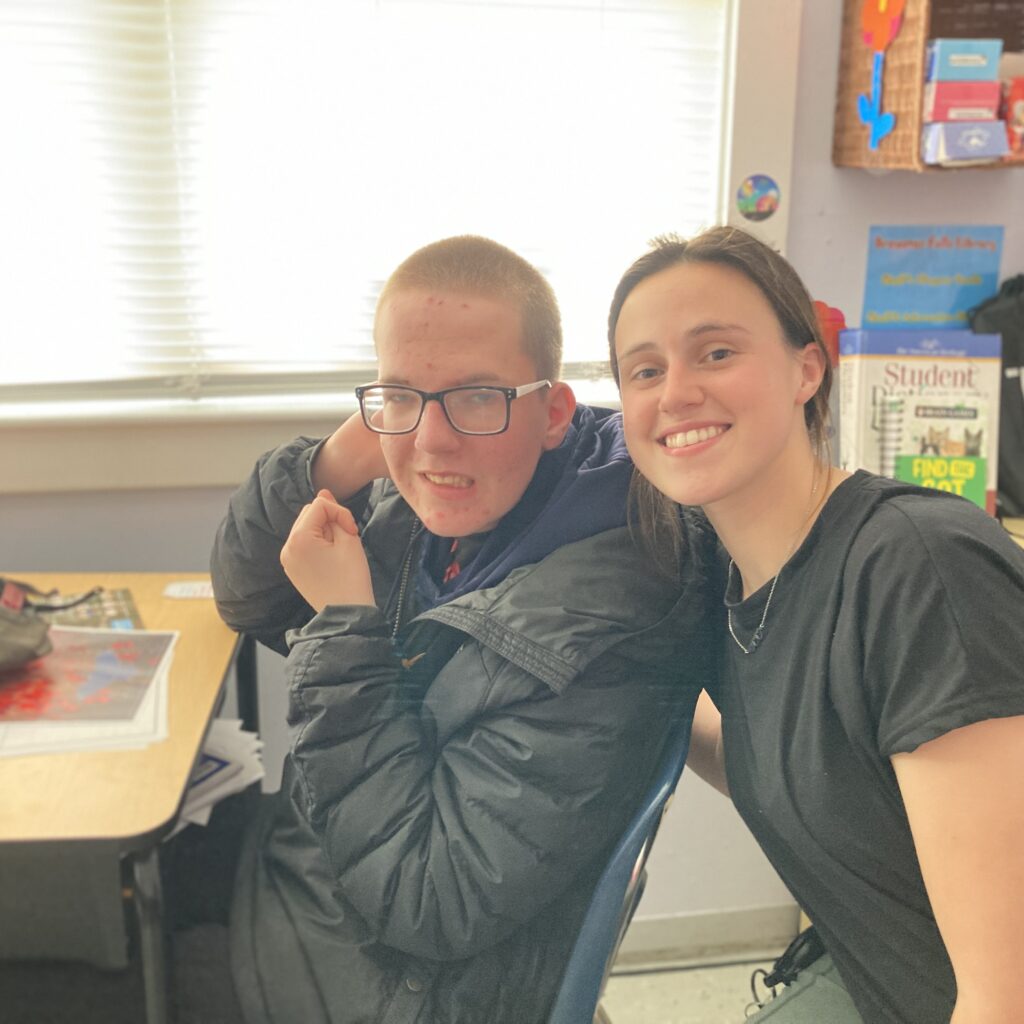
(469, 379)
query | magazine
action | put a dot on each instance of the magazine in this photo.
(229, 762)
(97, 689)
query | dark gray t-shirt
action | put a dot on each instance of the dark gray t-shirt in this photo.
(900, 618)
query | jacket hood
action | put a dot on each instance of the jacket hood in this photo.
(579, 489)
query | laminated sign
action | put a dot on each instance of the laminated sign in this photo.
(928, 278)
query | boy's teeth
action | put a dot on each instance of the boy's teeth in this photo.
(688, 437)
(448, 479)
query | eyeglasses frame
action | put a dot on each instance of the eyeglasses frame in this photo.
(438, 396)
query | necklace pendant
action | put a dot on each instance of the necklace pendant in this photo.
(759, 632)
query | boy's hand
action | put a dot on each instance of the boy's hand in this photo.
(324, 557)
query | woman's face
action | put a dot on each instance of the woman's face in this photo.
(712, 394)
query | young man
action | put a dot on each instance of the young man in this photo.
(480, 673)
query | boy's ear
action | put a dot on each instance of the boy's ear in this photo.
(561, 404)
(812, 368)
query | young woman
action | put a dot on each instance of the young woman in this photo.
(872, 651)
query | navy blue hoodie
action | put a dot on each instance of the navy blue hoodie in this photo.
(579, 490)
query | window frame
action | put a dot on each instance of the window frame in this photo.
(142, 444)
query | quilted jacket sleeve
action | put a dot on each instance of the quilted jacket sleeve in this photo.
(253, 593)
(446, 843)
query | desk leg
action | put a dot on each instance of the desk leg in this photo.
(149, 906)
(247, 692)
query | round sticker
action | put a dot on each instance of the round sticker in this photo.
(758, 197)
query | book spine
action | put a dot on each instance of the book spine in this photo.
(851, 386)
(887, 423)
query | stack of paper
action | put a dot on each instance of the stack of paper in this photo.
(98, 689)
(229, 762)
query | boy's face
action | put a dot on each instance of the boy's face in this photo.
(458, 484)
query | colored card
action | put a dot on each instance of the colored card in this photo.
(110, 609)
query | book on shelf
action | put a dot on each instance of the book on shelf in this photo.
(922, 406)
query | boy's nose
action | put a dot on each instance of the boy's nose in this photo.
(435, 433)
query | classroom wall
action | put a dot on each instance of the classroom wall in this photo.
(709, 887)
(831, 209)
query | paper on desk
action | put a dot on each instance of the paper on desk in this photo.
(229, 762)
(189, 588)
(147, 725)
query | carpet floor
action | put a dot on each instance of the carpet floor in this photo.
(70, 993)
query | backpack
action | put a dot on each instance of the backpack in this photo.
(1004, 314)
(24, 633)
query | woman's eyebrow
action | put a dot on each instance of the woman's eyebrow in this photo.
(712, 326)
(640, 346)
(697, 331)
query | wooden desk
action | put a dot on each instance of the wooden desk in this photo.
(112, 803)
(1015, 527)
(129, 795)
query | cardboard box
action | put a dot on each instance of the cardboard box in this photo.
(963, 142)
(922, 406)
(961, 101)
(961, 60)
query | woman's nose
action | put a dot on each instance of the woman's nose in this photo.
(435, 433)
(682, 388)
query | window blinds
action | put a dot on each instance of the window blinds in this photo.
(202, 198)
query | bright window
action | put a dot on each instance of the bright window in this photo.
(202, 198)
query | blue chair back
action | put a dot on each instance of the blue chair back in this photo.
(617, 893)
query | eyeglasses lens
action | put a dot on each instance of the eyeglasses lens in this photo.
(477, 410)
(394, 410)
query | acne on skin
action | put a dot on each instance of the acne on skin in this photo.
(459, 484)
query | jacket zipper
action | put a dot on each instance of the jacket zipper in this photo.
(406, 569)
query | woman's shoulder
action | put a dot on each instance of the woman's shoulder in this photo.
(935, 516)
(914, 525)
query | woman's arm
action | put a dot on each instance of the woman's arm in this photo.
(348, 460)
(964, 796)
(706, 757)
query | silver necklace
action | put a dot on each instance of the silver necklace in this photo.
(759, 632)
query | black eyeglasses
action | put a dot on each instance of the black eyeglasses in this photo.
(470, 408)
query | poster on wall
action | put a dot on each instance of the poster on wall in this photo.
(928, 277)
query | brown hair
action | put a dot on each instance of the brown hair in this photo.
(470, 263)
(658, 516)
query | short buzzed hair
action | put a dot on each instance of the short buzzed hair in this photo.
(479, 266)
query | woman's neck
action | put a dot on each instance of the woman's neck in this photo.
(762, 527)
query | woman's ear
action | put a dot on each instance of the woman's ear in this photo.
(812, 371)
(561, 403)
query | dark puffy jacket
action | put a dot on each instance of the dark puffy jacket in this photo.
(445, 810)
